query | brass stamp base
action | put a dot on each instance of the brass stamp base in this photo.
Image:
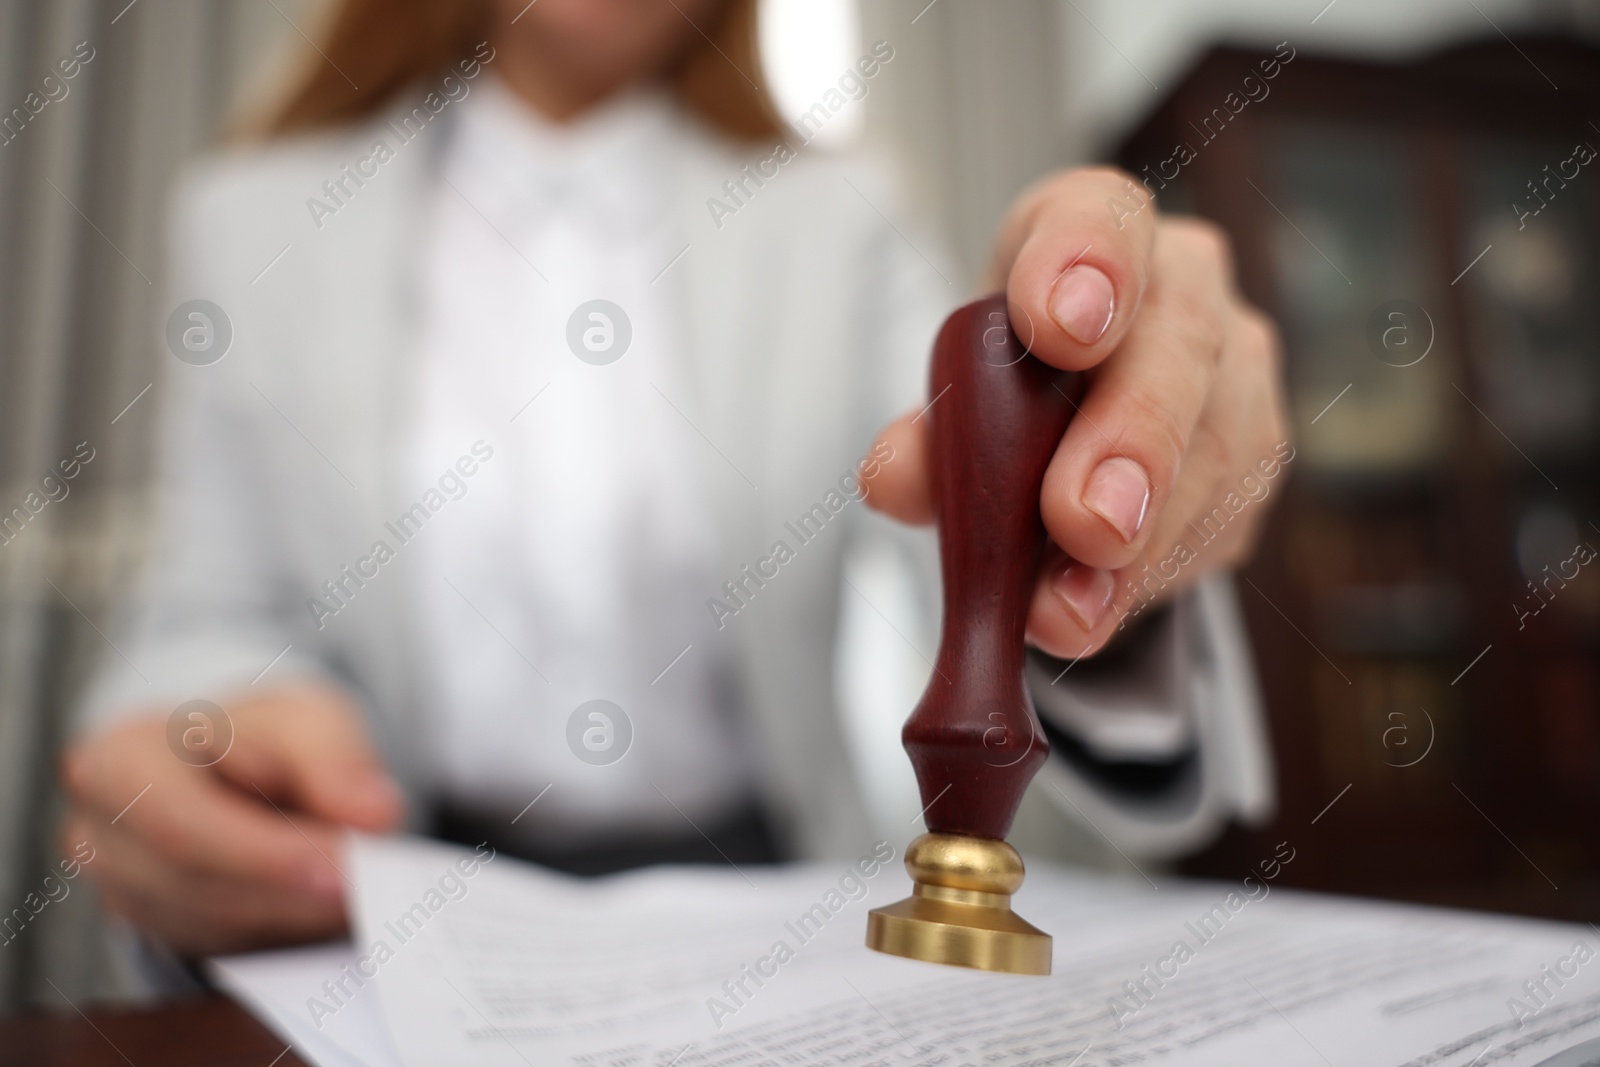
(959, 911)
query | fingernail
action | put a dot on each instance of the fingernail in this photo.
(1081, 303)
(1086, 591)
(1118, 492)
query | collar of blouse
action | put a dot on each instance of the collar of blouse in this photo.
(605, 171)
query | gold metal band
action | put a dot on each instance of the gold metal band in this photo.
(959, 912)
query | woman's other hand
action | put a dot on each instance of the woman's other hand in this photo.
(243, 853)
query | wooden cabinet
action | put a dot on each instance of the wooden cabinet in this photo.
(1425, 608)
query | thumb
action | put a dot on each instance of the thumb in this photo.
(899, 487)
(315, 750)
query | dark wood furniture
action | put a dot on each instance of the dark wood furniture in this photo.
(1425, 626)
(208, 1031)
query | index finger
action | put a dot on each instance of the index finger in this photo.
(1079, 255)
(192, 818)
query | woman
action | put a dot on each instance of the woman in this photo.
(516, 406)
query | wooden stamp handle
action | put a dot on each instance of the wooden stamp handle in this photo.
(994, 424)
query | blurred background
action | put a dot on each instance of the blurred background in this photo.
(1408, 197)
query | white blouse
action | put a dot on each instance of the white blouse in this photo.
(576, 565)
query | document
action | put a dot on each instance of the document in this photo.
(275, 986)
(467, 957)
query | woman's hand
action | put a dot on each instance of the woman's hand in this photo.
(240, 854)
(1184, 402)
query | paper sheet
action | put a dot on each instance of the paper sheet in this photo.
(509, 965)
(275, 987)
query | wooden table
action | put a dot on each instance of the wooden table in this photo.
(208, 1031)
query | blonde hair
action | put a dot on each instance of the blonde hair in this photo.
(385, 45)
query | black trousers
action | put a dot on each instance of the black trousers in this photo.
(744, 837)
